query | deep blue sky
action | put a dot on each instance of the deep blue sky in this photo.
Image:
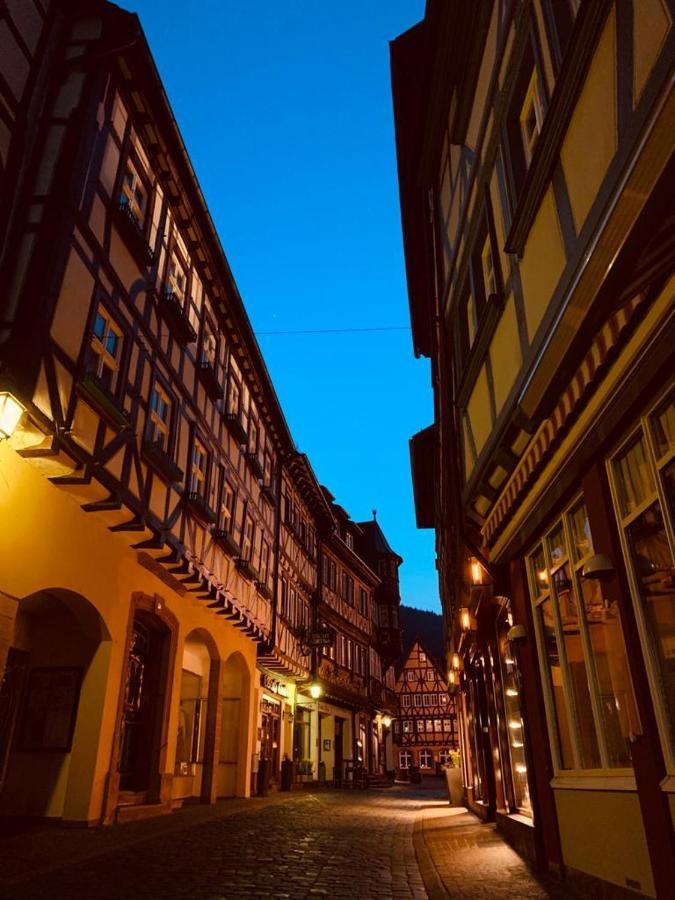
(285, 108)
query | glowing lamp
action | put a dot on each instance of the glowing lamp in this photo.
(315, 691)
(386, 721)
(511, 692)
(521, 769)
(10, 413)
(452, 678)
(514, 725)
(476, 571)
(456, 662)
(465, 619)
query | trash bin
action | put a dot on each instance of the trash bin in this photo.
(287, 775)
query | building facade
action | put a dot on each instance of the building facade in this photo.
(535, 145)
(159, 533)
(426, 729)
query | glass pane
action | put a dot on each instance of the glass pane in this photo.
(619, 716)
(99, 326)
(664, 428)
(516, 734)
(653, 566)
(581, 532)
(576, 664)
(555, 675)
(633, 477)
(556, 544)
(539, 572)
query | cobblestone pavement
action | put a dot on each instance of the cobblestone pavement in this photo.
(313, 844)
(464, 859)
(398, 843)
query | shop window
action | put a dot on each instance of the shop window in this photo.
(198, 469)
(106, 349)
(426, 759)
(159, 420)
(404, 759)
(190, 740)
(583, 652)
(515, 729)
(643, 481)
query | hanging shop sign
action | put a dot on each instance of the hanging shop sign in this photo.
(273, 686)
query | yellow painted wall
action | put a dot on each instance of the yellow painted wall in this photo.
(601, 834)
(82, 556)
(478, 411)
(651, 25)
(542, 263)
(591, 139)
(505, 353)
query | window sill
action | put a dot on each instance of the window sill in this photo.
(133, 235)
(93, 392)
(668, 784)
(618, 782)
(162, 462)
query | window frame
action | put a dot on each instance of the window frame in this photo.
(160, 382)
(96, 358)
(537, 598)
(198, 440)
(644, 426)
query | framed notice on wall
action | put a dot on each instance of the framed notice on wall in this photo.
(50, 708)
(326, 743)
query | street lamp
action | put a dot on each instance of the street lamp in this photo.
(315, 691)
(386, 721)
(10, 413)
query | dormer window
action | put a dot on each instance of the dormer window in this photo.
(106, 348)
(134, 194)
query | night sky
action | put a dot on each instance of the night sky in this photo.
(285, 108)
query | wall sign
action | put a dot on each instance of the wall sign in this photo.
(272, 685)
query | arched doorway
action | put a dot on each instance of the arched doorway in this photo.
(197, 718)
(233, 750)
(51, 706)
(144, 713)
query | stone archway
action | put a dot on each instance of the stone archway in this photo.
(234, 732)
(51, 706)
(198, 719)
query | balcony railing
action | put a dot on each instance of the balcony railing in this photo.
(172, 309)
(103, 402)
(162, 462)
(209, 378)
(247, 569)
(225, 540)
(132, 232)
(235, 427)
(201, 508)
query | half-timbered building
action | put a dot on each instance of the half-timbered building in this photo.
(426, 729)
(535, 155)
(348, 726)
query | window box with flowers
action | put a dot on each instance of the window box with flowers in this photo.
(102, 401)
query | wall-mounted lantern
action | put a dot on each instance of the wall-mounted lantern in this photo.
(11, 411)
(465, 619)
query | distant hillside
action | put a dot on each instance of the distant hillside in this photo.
(428, 626)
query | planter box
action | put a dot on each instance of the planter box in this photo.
(209, 378)
(235, 428)
(162, 462)
(248, 569)
(255, 464)
(453, 777)
(201, 508)
(91, 390)
(171, 309)
(225, 540)
(133, 234)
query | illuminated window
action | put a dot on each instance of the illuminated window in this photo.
(589, 689)
(423, 656)
(407, 726)
(159, 424)
(643, 481)
(419, 725)
(198, 469)
(426, 759)
(404, 758)
(106, 349)
(134, 194)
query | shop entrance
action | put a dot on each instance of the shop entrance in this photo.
(270, 734)
(142, 714)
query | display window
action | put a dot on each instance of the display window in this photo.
(590, 702)
(642, 475)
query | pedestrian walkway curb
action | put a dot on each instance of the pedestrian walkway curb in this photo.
(432, 880)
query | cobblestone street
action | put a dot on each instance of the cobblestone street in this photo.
(397, 843)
